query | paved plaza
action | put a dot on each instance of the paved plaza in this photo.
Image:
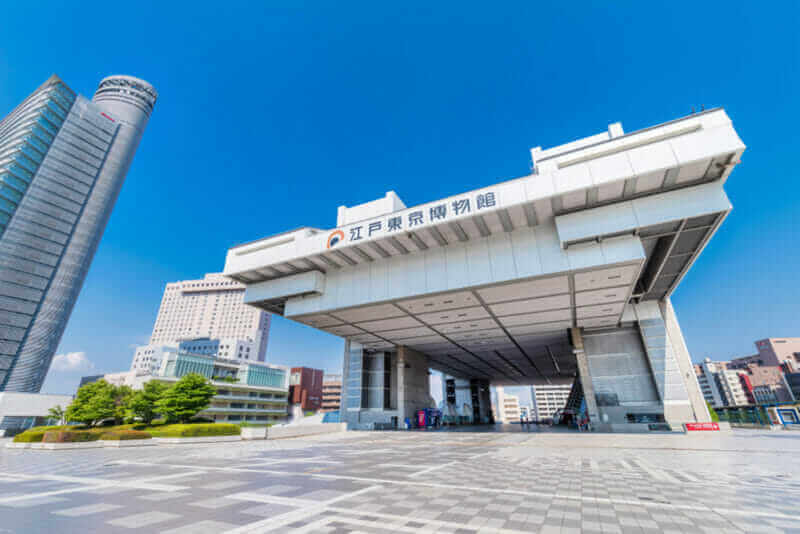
(458, 482)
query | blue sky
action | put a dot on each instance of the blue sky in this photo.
(271, 116)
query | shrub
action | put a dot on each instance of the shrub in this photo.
(70, 436)
(35, 434)
(123, 435)
(195, 431)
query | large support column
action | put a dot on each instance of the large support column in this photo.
(684, 361)
(413, 383)
(585, 376)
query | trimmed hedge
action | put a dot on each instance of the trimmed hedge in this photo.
(124, 435)
(71, 436)
(195, 430)
(35, 434)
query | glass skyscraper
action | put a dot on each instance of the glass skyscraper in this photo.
(63, 159)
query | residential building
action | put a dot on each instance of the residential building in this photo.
(721, 386)
(729, 383)
(212, 309)
(331, 392)
(793, 381)
(767, 384)
(547, 399)
(305, 390)
(246, 391)
(63, 160)
(510, 408)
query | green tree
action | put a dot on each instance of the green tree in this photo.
(185, 398)
(712, 412)
(57, 413)
(93, 403)
(121, 397)
(143, 402)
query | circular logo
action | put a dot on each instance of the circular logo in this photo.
(335, 237)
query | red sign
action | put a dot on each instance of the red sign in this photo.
(106, 116)
(701, 426)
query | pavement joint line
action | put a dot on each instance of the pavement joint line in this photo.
(147, 480)
(430, 469)
(270, 499)
(557, 495)
(95, 482)
(281, 520)
(433, 522)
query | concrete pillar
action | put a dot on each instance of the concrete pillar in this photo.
(684, 361)
(585, 376)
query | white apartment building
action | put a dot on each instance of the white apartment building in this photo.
(728, 380)
(147, 358)
(211, 308)
(720, 386)
(547, 399)
(510, 408)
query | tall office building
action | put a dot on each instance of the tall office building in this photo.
(210, 308)
(63, 159)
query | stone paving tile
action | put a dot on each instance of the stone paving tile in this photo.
(489, 481)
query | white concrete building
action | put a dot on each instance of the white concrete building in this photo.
(511, 411)
(29, 409)
(719, 385)
(148, 358)
(547, 399)
(211, 308)
(565, 271)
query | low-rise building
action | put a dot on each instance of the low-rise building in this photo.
(246, 391)
(331, 392)
(305, 390)
(768, 384)
(548, 399)
(19, 411)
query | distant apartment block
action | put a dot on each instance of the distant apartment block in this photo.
(511, 411)
(211, 309)
(331, 392)
(547, 399)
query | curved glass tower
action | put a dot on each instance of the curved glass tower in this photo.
(63, 160)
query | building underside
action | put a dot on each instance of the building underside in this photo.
(561, 274)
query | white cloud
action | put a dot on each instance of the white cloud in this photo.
(71, 361)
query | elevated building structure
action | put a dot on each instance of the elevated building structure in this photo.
(566, 271)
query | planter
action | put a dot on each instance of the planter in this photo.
(62, 446)
(13, 445)
(210, 439)
(254, 432)
(116, 443)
